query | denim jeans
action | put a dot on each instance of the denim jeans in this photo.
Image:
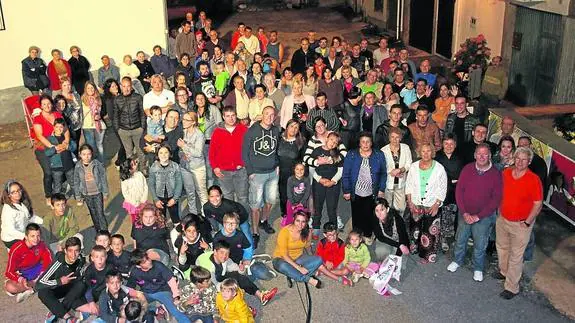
(190, 186)
(202, 318)
(311, 263)
(263, 189)
(96, 140)
(234, 186)
(95, 204)
(58, 179)
(480, 232)
(130, 140)
(166, 299)
(44, 162)
(528, 255)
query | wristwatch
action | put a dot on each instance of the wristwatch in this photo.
(526, 223)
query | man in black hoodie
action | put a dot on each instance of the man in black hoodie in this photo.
(61, 288)
(259, 153)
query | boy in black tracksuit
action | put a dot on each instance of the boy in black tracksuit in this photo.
(118, 257)
(95, 273)
(60, 287)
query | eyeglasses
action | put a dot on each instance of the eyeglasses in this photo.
(18, 191)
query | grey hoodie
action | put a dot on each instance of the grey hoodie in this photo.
(259, 149)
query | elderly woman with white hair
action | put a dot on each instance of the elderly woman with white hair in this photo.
(425, 189)
(521, 202)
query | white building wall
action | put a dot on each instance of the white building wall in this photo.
(112, 27)
(488, 15)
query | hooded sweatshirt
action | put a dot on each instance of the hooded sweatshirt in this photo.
(259, 150)
(225, 147)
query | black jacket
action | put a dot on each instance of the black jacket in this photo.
(351, 114)
(382, 135)
(34, 74)
(80, 72)
(300, 60)
(385, 235)
(129, 112)
(59, 268)
(226, 206)
(453, 167)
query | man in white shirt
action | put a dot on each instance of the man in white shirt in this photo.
(381, 53)
(158, 96)
(251, 42)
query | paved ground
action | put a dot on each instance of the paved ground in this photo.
(430, 293)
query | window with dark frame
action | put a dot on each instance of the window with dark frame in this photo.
(378, 5)
(2, 24)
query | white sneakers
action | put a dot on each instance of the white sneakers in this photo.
(452, 266)
(20, 297)
(340, 224)
(478, 276)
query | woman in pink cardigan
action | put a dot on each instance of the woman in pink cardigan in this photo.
(296, 106)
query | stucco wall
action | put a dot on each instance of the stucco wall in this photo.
(489, 15)
(107, 27)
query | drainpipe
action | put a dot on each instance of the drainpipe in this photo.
(398, 19)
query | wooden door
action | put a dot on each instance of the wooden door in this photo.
(535, 56)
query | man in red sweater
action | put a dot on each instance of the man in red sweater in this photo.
(478, 194)
(237, 34)
(225, 156)
(27, 259)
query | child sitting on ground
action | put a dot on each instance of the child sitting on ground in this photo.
(134, 188)
(331, 249)
(241, 251)
(298, 192)
(156, 281)
(220, 266)
(118, 257)
(231, 304)
(114, 299)
(357, 256)
(190, 244)
(150, 234)
(103, 239)
(133, 311)
(155, 127)
(61, 163)
(61, 223)
(95, 273)
(198, 299)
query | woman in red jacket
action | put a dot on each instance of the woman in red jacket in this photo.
(57, 69)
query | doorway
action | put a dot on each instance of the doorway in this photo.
(445, 15)
(421, 24)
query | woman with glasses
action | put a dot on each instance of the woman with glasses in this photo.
(17, 213)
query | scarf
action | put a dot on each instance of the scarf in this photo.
(95, 109)
(60, 68)
(390, 229)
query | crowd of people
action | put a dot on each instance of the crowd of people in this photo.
(229, 129)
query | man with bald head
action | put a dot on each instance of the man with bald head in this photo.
(259, 154)
(425, 68)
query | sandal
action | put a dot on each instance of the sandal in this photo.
(346, 281)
